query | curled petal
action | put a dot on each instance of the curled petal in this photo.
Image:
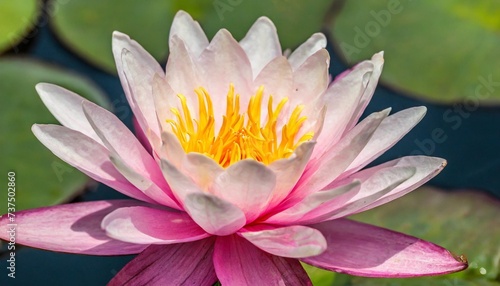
(295, 241)
(248, 185)
(214, 215)
(145, 225)
(366, 250)
(315, 43)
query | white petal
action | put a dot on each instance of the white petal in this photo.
(261, 44)
(312, 45)
(189, 31)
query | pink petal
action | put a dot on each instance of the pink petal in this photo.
(248, 184)
(213, 214)
(365, 250)
(180, 264)
(295, 241)
(66, 107)
(390, 131)
(141, 136)
(372, 189)
(315, 43)
(426, 169)
(86, 155)
(341, 100)
(319, 173)
(72, 228)
(238, 262)
(145, 225)
(182, 73)
(201, 169)
(310, 80)
(164, 99)
(141, 105)
(288, 171)
(122, 142)
(261, 44)
(139, 76)
(180, 184)
(189, 31)
(171, 149)
(327, 199)
(277, 79)
(378, 63)
(224, 62)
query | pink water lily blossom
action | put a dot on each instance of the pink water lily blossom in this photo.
(246, 162)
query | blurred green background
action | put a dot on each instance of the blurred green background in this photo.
(441, 54)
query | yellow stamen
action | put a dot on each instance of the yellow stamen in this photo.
(241, 135)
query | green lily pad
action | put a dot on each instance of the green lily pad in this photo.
(319, 277)
(441, 51)
(16, 20)
(464, 222)
(40, 178)
(86, 26)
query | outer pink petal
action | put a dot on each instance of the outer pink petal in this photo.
(180, 264)
(372, 189)
(86, 155)
(365, 250)
(72, 228)
(238, 262)
(261, 44)
(66, 107)
(248, 184)
(213, 214)
(326, 199)
(141, 105)
(312, 45)
(145, 225)
(390, 131)
(295, 241)
(189, 31)
(426, 169)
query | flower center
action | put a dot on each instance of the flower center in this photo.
(241, 135)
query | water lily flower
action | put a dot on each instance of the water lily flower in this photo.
(246, 162)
